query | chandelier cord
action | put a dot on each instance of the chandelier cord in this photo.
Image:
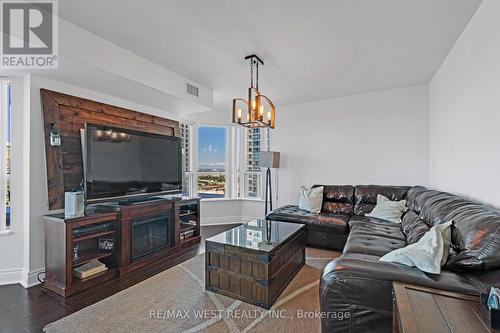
(257, 83)
(256, 63)
(251, 73)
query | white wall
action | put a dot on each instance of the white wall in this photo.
(373, 138)
(465, 112)
(221, 211)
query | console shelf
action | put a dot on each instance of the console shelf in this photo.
(89, 255)
(94, 235)
(187, 213)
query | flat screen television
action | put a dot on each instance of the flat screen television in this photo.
(121, 164)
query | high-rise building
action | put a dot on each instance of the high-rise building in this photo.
(186, 135)
(252, 161)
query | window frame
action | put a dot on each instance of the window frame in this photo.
(194, 173)
(5, 176)
(235, 163)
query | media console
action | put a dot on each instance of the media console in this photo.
(142, 233)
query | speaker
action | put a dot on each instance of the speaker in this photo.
(74, 204)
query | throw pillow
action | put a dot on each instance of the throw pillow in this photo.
(429, 254)
(388, 210)
(311, 199)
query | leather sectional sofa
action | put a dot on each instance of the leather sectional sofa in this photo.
(358, 283)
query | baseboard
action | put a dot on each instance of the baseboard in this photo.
(226, 220)
(26, 279)
(29, 279)
(10, 276)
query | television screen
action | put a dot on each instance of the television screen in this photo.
(120, 162)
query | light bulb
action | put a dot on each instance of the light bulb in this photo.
(239, 116)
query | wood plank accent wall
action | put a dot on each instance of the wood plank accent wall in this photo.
(69, 114)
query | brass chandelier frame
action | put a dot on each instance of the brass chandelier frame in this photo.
(252, 112)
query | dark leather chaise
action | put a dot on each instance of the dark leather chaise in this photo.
(359, 284)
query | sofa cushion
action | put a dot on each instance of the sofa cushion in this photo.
(439, 206)
(375, 245)
(416, 197)
(373, 236)
(373, 226)
(365, 196)
(326, 222)
(338, 198)
(413, 227)
(475, 238)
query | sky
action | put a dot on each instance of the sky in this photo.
(212, 147)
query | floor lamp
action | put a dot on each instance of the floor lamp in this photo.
(269, 160)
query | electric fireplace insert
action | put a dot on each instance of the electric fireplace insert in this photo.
(149, 235)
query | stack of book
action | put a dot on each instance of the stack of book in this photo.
(187, 229)
(89, 269)
(187, 234)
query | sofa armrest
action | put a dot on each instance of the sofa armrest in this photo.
(363, 288)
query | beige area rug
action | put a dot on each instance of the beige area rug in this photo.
(175, 300)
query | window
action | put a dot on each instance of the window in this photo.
(5, 155)
(211, 182)
(222, 161)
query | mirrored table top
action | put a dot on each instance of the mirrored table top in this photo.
(258, 235)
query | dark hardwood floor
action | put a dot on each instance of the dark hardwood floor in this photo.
(29, 310)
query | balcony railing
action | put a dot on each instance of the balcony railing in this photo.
(205, 184)
(213, 184)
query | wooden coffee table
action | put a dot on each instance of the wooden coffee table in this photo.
(420, 309)
(255, 261)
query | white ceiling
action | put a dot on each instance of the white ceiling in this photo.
(312, 49)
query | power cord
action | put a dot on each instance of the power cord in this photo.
(38, 277)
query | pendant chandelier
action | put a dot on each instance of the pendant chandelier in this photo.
(257, 110)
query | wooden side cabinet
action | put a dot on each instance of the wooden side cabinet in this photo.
(65, 249)
(420, 310)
